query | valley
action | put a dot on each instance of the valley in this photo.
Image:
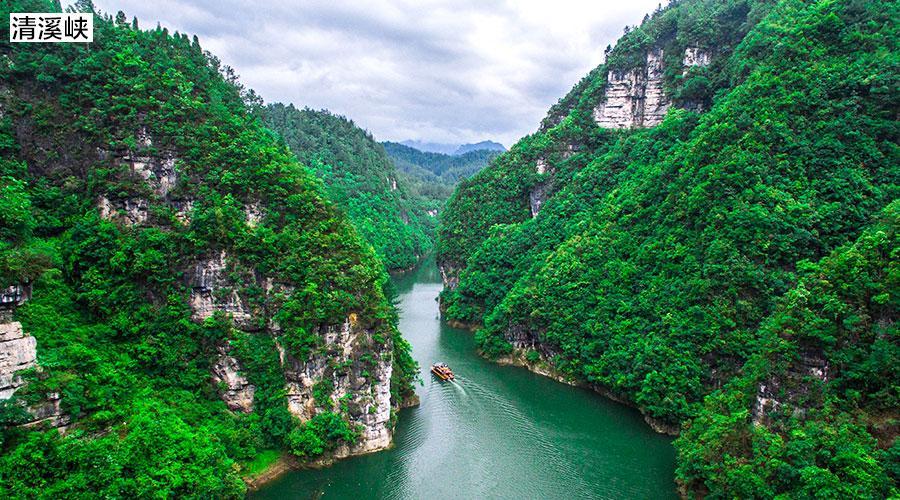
(681, 282)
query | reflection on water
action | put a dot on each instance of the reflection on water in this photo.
(496, 432)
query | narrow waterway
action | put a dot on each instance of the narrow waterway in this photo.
(497, 432)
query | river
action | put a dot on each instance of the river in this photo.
(497, 432)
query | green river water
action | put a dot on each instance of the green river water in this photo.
(497, 432)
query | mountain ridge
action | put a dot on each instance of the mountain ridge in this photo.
(452, 149)
(644, 238)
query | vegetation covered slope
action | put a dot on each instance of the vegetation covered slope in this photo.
(658, 256)
(434, 175)
(119, 244)
(361, 179)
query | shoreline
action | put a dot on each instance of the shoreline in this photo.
(286, 462)
(544, 368)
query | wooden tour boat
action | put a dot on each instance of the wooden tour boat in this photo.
(442, 371)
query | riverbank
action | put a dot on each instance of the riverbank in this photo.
(480, 436)
(519, 358)
(286, 463)
(269, 465)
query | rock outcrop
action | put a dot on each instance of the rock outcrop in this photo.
(794, 388)
(254, 214)
(236, 390)
(695, 56)
(158, 171)
(183, 210)
(449, 275)
(130, 211)
(212, 291)
(358, 384)
(635, 97)
(48, 413)
(17, 352)
(537, 197)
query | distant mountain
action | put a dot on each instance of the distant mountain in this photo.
(480, 146)
(453, 149)
(431, 147)
(434, 175)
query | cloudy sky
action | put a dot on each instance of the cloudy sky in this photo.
(433, 70)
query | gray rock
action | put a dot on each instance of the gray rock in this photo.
(238, 391)
(634, 98)
(17, 352)
(695, 56)
(212, 291)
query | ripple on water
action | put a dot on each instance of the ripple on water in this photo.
(497, 432)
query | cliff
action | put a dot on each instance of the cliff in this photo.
(642, 239)
(196, 297)
(18, 353)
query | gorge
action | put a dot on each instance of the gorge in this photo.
(201, 290)
(498, 431)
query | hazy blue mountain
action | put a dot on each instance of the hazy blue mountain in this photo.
(434, 175)
(453, 149)
(480, 146)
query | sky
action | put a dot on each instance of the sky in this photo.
(450, 71)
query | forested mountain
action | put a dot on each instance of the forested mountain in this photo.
(703, 227)
(179, 294)
(434, 175)
(479, 146)
(360, 178)
(452, 149)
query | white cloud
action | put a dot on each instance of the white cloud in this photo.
(442, 71)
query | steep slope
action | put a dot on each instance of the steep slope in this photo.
(434, 175)
(361, 179)
(640, 238)
(181, 293)
(814, 410)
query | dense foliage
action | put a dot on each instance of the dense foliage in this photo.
(361, 179)
(110, 300)
(434, 175)
(821, 440)
(659, 256)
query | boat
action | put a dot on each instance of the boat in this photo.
(442, 371)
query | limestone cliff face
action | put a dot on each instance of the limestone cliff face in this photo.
(211, 291)
(536, 197)
(130, 211)
(18, 352)
(449, 275)
(635, 97)
(358, 370)
(156, 174)
(236, 390)
(361, 384)
(349, 361)
(695, 56)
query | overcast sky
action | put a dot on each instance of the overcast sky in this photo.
(441, 71)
